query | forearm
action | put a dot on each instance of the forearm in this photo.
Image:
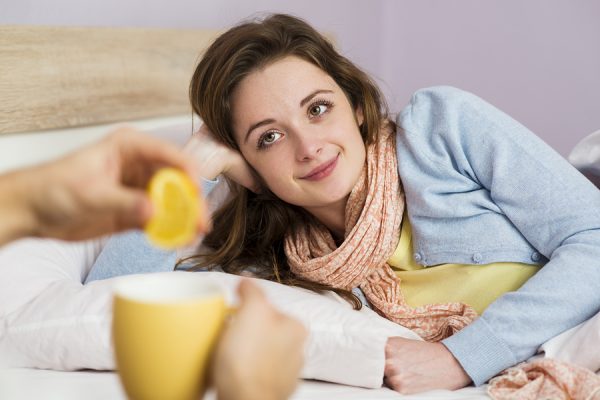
(559, 297)
(16, 216)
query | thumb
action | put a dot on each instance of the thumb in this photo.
(250, 293)
(131, 208)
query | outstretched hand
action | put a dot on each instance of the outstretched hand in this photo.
(215, 158)
(99, 189)
(413, 366)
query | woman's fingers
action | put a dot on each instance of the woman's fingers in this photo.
(214, 158)
(240, 172)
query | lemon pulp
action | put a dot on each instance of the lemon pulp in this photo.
(176, 206)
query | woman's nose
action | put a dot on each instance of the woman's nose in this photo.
(308, 146)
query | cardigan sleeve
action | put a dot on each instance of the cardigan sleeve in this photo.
(551, 204)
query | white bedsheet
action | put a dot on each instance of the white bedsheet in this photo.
(29, 384)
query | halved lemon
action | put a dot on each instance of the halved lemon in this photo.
(176, 205)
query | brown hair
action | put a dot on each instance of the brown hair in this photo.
(249, 229)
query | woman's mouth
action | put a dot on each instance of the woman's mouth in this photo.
(322, 171)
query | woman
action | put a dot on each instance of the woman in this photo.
(448, 213)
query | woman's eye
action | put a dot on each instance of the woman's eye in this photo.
(271, 137)
(318, 109)
(268, 139)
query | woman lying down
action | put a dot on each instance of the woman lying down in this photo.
(453, 221)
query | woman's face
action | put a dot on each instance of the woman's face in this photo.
(296, 128)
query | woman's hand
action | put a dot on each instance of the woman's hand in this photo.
(214, 158)
(260, 353)
(413, 366)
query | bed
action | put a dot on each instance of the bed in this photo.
(71, 86)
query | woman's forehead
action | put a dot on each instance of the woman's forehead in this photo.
(277, 89)
(290, 77)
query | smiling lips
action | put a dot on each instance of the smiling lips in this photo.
(322, 171)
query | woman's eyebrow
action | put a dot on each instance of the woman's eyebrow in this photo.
(256, 125)
(313, 94)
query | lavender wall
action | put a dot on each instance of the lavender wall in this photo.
(539, 60)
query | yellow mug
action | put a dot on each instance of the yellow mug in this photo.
(165, 327)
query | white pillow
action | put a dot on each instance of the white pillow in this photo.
(50, 320)
(585, 156)
(579, 345)
(344, 345)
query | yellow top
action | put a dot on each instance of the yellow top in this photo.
(476, 285)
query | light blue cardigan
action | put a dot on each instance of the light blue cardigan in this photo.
(480, 188)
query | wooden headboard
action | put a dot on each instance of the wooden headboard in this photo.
(61, 77)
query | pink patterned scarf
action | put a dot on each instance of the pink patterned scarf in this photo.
(372, 230)
(545, 378)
